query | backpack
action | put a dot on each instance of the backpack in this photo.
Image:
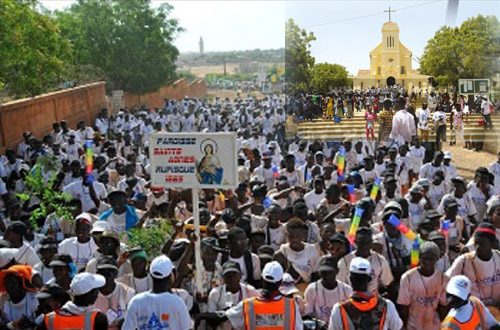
(247, 258)
(370, 320)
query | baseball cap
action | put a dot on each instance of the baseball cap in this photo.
(416, 189)
(85, 217)
(360, 266)
(393, 205)
(106, 262)
(431, 214)
(272, 272)
(447, 155)
(265, 252)
(85, 282)
(288, 286)
(450, 202)
(99, 227)
(459, 286)
(230, 267)
(459, 179)
(51, 291)
(327, 263)
(6, 256)
(17, 227)
(161, 267)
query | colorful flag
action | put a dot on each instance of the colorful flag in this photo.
(358, 212)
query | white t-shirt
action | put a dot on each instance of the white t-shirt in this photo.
(26, 255)
(484, 275)
(114, 305)
(312, 199)
(392, 320)
(479, 199)
(165, 310)
(417, 156)
(305, 262)
(81, 192)
(138, 284)
(45, 272)
(27, 307)
(81, 253)
(319, 300)
(381, 272)
(466, 207)
(423, 118)
(422, 295)
(277, 236)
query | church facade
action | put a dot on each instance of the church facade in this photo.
(390, 63)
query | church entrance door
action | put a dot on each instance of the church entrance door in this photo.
(391, 81)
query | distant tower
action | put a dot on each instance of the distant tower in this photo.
(202, 48)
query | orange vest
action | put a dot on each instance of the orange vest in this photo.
(56, 321)
(374, 309)
(476, 320)
(269, 315)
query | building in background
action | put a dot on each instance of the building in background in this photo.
(390, 64)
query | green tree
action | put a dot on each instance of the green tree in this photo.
(128, 40)
(298, 58)
(325, 76)
(33, 54)
(463, 52)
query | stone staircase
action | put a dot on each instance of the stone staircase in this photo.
(354, 129)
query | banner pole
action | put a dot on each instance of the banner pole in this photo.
(197, 243)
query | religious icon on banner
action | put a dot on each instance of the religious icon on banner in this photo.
(209, 170)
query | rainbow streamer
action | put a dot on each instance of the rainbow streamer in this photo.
(89, 157)
(445, 225)
(394, 221)
(375, 188)
(341, 162)
(414, 256)
(358, 212)
(276, 172)
(352, 193)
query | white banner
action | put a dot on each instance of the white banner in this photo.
(193, 160)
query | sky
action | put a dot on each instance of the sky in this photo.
(346, 30)
(224, 25)
(353, 28)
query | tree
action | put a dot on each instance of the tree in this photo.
(128, 40)
(463, 52)
(325, 76)
(298, 58)
(33, 54)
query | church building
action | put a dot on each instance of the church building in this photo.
(390, 63)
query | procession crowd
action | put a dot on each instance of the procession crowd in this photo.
(445, 113)
(318, 234)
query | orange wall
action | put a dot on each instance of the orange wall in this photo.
(177, 90)
(38, 113)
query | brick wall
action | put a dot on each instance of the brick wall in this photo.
(177, 90)
(38, 113)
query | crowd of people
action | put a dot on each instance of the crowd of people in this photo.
(443, 113)
(317, 235)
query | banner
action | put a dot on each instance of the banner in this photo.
(193, 160)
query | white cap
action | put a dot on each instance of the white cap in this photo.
(459, 286)
(85, 282)
(360, 266)
(288, 285)
(161, 267)
(84, 216)
(6, 256)
(272, 272)
(447, 155)
(99, 226)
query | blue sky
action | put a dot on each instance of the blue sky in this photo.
(224, 25)
(355, 27)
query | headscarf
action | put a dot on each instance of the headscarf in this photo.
(25, 272)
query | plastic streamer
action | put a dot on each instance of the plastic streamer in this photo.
(341, 163)
(352, 193)
(396, 223)
(375, 189)
(276, 172)
(445, 225)
(89, 157)
(414, 256)
(358, 212)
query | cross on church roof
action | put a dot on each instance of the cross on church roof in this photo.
(389, 11)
